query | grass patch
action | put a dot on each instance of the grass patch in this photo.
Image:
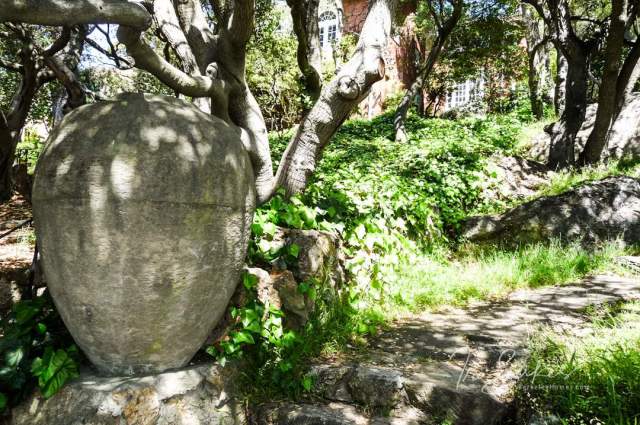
(426, 282)
(569, 179)
(587, 380)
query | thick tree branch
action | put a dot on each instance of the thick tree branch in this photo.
(146, 58)
(240, 23)
(304, 14)
(165, 15)
(194, 24)
(73, 12)
(337, 99)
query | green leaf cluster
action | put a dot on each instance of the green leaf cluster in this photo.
(35, 350)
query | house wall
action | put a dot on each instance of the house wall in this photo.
(355, 12)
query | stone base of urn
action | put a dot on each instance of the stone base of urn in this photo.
(143, 207)
(192, 395)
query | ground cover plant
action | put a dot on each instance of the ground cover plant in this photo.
(585, 379)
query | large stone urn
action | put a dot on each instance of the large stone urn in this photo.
(142, 208)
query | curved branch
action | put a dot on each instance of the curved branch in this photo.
(304, 14)
(168, 23)
(146, 58)
(66, 12)
(337, 99)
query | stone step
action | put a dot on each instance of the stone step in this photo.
(333, 414)
(438, 390)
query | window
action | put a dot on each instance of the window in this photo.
(328, 25)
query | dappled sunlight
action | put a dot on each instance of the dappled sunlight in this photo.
(136, 217)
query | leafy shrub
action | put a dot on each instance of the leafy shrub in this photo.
(36, 349)
(28, 149)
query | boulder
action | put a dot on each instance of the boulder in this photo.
(193, 395)
(600, 210)
(143, 206)
(625, 133)
(516, 178)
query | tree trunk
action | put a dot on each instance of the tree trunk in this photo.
(337, 99)
(537, 104)
(562, 150)
(536, 61)
(305, 25)
(606, 98)
(7, 147)
(628, 77)
(560, 94)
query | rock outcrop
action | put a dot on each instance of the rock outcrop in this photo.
(515, 178)
(625, 133)
(600, 210)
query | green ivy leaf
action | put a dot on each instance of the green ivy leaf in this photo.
(243, 337)
(14, 357)
(249, 281)
(294, 250)
(53, 370)
(307, 383)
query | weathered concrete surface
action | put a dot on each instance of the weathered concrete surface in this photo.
(195, 395)
(142, 208)
(625, 133)
(601, 210)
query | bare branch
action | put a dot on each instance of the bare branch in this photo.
(165, 15)
(10, 65)
(65, 12)
(337, 99)
(112, 53)
(146, 58)
(304, 14)
(60, 42)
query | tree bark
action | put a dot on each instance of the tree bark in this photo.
(562, 149)
(560, 92)
(629, 75)
(304, 14)
(606, 99)
(7, 148)
(536, 42)
(337, 99)
(444, 30)
(74, 12)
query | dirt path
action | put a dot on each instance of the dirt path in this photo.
(460, 364)
(16, 250)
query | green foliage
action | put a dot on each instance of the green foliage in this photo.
(279, 358)
(486, 40)
(28, 149)
(36, 349)
(587, 379)
(569, 179)
(273, 75)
